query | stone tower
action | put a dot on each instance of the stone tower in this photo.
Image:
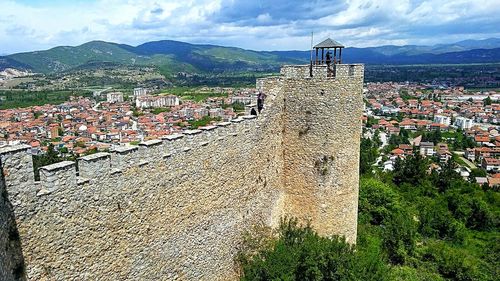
(321, 137)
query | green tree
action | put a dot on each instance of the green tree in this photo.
(433, 136)
(487, 101)
(137, 113)
(481, 218)
(299, 253)
(204, 121)
(159, 110)
(444, 179)
(376, 139)
(412, 170)
(452, 263)
(404, 136)
(368, 155)
(37, 114)
(238, 106)
(399, 236)
(50, 157)
(436, 221)
(377, 201)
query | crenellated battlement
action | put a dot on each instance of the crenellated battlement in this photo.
(176, 208)
(334, 71)
(98, 167)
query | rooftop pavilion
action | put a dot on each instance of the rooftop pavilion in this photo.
(326, 63)
(326, 57)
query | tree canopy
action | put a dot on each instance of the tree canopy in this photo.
(413, 224)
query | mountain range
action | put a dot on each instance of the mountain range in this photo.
(174, 56)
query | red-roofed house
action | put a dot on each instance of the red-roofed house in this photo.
(481, 139)
(397, 152)
(491, 164)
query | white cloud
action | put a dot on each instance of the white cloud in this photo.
(286, 24)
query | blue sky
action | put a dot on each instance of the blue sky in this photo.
(28, 25)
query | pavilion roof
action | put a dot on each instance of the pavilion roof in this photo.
(329, 43)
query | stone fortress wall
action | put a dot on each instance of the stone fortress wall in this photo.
(176, 209)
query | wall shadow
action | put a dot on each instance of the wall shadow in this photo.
(12, 266)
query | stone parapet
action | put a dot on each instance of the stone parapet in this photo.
(124, 157)
(174, 144)
(100, 166)
(151, 150)
(16, 165)
(55, 176)
(321, 71)
(95, 167)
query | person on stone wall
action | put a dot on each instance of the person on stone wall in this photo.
(253, 112)
(260, 101)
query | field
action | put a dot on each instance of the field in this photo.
(17, 99)
(11, 83)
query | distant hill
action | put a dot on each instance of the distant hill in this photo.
(6, 62)
(174, 56)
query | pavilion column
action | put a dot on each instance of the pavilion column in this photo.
(340, 56)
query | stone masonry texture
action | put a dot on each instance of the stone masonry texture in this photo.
(177, 209)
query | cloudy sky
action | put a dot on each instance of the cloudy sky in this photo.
(27, 25)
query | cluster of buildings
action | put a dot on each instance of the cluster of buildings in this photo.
(392, 107)
(144, 99)
(81, 124)
(149, 101)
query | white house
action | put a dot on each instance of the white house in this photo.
(463, 123)
(148, 101)
(440, 119)
(114, 97)
(140, 92)
(427, 148)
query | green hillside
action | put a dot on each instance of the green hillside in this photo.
(167, 55)
(64, 58)
(174, 56)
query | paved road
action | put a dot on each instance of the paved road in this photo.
(96, 107)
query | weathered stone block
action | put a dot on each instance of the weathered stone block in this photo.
(57, 176)
(124, 157)
(151, 150)
(95, 167)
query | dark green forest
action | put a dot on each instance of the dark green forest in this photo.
(412, 225)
